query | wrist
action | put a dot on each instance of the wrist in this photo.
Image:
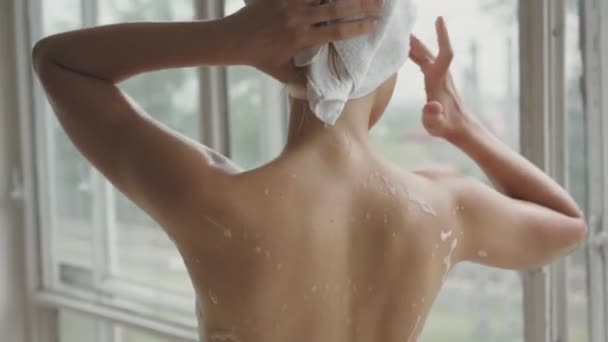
(235, 36)
(228, 39)
(469, 133)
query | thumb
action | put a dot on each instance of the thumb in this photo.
(432, 108)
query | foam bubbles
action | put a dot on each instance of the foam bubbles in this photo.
(223, 336)
(213, 298)
(413, 334)
(448, 258)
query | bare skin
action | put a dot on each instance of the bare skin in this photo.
(327, 242)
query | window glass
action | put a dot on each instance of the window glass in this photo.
(135, 251)
(476, 303)
(125, 334)
(245, 93)
(257, 111)
(141, 258)
(76, 327)
(577, 270)
(69, 175)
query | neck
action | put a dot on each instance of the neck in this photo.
(307, 131)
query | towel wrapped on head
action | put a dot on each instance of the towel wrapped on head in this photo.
(362, 64)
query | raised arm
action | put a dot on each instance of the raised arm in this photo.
(165, 173)
(533, 220)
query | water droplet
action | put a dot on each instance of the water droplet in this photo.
(267, 253)
(368, 216)
(385, 219)
(279, 266)
(258, 249)
(294, 176)
(266, 191)
(424, 206)
(284, 307)
(314, 288)
(245, 235)
(213, 297)
(423, 299)
(414, 331)
(224, 336)
(445, 235)
(394, 234)
(448, 259)
(227, 233)
(482, 254)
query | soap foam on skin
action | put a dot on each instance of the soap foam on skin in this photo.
(227, 232)
(445, 235)
(213, 298)
(222, 335)
(422, 204)
(413, 333)
(448, 259)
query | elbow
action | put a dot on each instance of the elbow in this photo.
(40, 54)
(573, 236)
(553, 242)
(580, 232)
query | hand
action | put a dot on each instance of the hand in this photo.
(443, 115)
(272, 32)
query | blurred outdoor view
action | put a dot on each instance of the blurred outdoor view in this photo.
(137, 264)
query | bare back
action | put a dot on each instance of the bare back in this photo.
(358, 254)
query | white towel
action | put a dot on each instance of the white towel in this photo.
(363, 63)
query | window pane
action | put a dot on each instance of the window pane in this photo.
(577, 275)
(246, 109)
(476, 303)
(69, 174)
(142, 260)
(60, 15)
(76, 327)
(134, 335)
(257, 112)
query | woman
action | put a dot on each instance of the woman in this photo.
(327, 242)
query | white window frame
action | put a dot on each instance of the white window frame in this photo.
(595, 90)
(545, 294)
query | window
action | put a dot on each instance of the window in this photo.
(104, 256)
(103, 247)
(577, 177)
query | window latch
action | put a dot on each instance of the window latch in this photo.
(16, 193)
(598, 237)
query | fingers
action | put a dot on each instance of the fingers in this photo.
(342, 31)
(446, 54)
(432, 108)
(336, 10)
(419, 53)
